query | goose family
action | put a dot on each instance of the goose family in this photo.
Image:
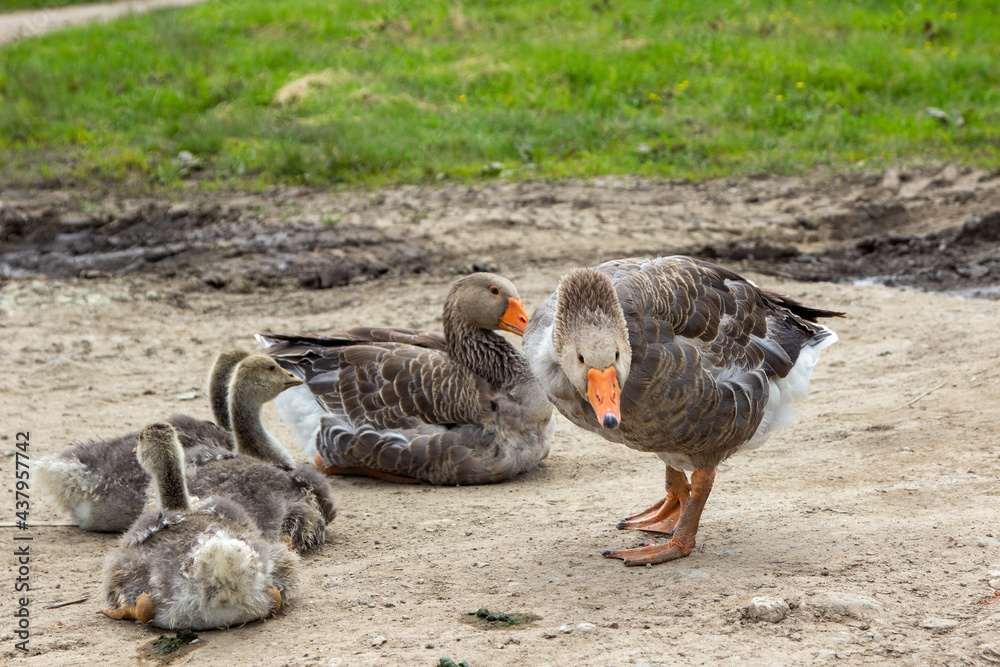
(197, 564)
(678, 357)
(102, 486)
(459, 407)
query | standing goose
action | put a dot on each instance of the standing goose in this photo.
(293, 502)
(197, 565)
(100, 483)
(678, 357)
(455, 408)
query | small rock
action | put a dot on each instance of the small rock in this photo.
(824, 655)
(428, 645)
(189, 396)
(939, 624)
(379, 641)
(770, 610)
(565, 629)
(995, 584)
(586, 628)
(548, 635)
(845, 604)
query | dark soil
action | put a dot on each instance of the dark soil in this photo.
(935, 229)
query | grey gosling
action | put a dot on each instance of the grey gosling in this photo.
(293, 502)
(100, 483)
(197, 564)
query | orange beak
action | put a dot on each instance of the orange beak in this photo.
(515, 318)
(602, 392)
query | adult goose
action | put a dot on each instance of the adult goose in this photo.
(458, 407)
(192, 563)
(100, 483)
(678, 357)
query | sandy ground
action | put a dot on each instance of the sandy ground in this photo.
(874, 517)
(35, 22)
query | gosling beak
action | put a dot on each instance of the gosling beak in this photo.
(515, 318)
(290, 380)
(135, 449)
(603, 392)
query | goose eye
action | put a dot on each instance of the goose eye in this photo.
(270, 368)
(494, 290)
(617, 355)
(580, 358)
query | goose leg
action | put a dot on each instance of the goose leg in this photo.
(363, 472)
(142, 611)
(682, 542)
(664, 515)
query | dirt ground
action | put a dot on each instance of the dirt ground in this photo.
(875, 517)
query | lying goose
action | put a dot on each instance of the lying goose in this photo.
(678, 357)
(455, 408)
(100, 483)
(295, 503)
(192, 564)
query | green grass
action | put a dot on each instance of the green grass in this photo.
(17, 5)
(414, 90)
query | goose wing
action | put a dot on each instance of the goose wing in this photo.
(389, 385)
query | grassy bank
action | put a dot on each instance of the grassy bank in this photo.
(409, 91)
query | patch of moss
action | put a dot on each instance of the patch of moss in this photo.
(163, 646)
(484, 619)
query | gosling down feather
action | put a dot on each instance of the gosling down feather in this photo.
(677, 357)
(458, 407)
(197, 564)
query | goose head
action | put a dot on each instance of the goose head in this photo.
(486, 301)
(160, 455)
(259, 379)
(590, 339)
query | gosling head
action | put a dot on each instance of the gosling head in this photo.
(260, 378)
(487, 301)
(160, 455)
(159, 449)
(590, 338)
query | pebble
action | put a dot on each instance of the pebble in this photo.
(565, 629)
(379, 641)
(189, 396)
(995, 584)
(770, 610)
(428, 645)
(835, 603)
(549, 635)
(939, 624)
(586, 628)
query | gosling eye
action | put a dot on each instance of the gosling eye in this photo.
(271, 367)
(494, 290)
(580, 358)
(617, 355)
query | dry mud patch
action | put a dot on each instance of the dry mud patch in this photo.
(874, 517)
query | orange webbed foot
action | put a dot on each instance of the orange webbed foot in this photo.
(659, 518)
(143, 610)
(651, 554)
